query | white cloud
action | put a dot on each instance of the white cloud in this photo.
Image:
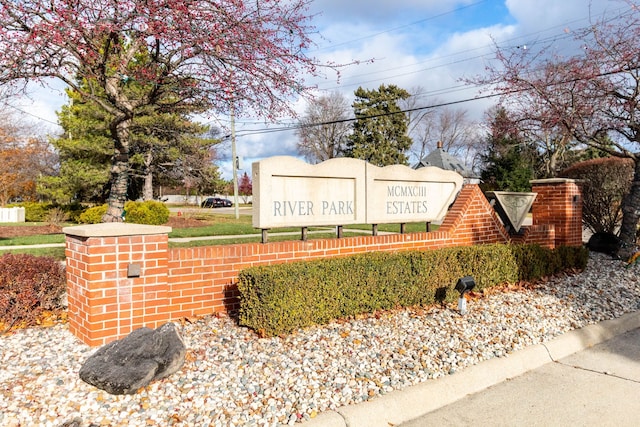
(542, 14)
(40, 104)
(426, 43)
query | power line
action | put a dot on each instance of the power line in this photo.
(546, 40)
(618, 13)
(614, 15)
(549, 39)
(431, 18)
(373, 116)
(439, 105)
(29, 114)
(443, 91)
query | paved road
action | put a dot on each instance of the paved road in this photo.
(599, 386)
(242, 210)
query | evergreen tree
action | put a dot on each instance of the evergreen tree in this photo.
(166, 148)
(169, 148)
(380, 130)
(85, 152)
(508, 160)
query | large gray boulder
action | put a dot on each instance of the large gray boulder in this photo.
(126, 365)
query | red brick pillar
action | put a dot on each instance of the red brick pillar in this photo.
(116, 279)
(559, 203)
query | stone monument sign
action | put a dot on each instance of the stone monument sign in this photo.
(400, 194)
(288, 192)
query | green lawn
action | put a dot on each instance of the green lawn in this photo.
(411, 227)
(32, 240)
(221, 225)
(224, 225)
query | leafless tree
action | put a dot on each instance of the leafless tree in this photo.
(429, 124)
(324, 128)
(419, 126)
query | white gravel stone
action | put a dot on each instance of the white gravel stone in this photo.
(232, 377)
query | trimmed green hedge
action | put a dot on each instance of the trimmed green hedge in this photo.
(45, 212)
(279, 299)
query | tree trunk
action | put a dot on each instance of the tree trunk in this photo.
(631, 214)
(552, 164)
(119, 172)
(147, 191)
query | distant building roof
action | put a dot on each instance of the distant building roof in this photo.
(440, 158)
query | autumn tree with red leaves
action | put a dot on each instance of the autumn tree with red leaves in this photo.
(174, 55)
(245, 187)
(24, 157)
(592, 97)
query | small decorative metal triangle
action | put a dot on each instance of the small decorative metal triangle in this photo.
(515, 206)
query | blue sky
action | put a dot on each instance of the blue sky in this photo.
(430, 44)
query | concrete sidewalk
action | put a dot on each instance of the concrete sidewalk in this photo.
(589, 376)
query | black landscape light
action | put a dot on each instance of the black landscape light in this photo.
(464, 284)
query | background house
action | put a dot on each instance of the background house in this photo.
(443, 160)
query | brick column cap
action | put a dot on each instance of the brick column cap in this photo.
(115, 229)
(553, 181)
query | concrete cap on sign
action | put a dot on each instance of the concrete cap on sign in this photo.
(553, 181)
(115, 229)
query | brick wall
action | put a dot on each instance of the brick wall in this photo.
(559, 204)
(106, 302)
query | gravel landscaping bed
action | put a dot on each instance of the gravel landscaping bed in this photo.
(232, 378)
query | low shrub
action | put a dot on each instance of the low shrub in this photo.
(92, 215)
(569, 257)
(73, 211)
(605, 182)
(50, 213)
(34, 211)
(149, 212)
(281, 298)
(28, 286)
(57, 217)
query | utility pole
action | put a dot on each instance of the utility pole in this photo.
(234, 161)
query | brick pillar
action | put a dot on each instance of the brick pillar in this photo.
(559, 203)
(116, 279)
